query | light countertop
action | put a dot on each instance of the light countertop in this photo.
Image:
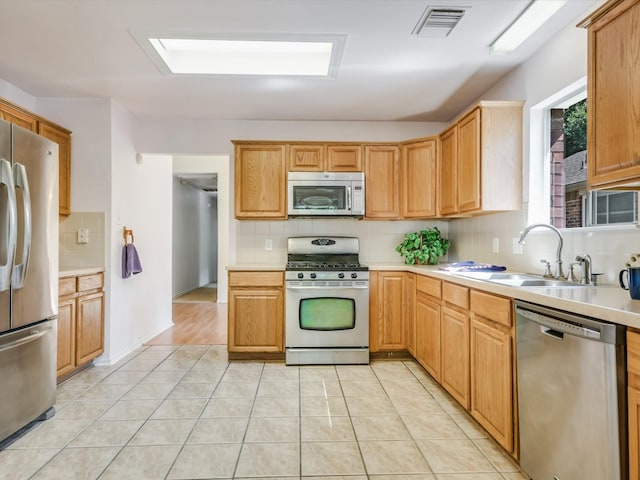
(604, 302)
(256, 268)
(65, 272)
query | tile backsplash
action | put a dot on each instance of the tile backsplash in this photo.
(378, 239)
(74, 254)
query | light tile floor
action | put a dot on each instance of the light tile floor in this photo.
(186, 413)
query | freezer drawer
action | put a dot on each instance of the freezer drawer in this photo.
(28, 375)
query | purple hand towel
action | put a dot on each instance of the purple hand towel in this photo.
(130, 261)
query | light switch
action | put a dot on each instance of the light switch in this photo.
(83, 235)
(268, 244)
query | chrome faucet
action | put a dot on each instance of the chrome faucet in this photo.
(559, 273)
(585, 263)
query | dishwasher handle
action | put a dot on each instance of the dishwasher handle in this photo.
(550, 332)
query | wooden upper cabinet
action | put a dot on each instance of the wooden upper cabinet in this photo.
(419, 179)
(481, 161)
(448, 186)
(14, 114)
(344, 158)
(320, 157)
(382, 181)
(469, 160)
(260, 181)
(62, 137)
(306, 157)
(613, 116)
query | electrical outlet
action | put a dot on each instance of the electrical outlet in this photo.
(268, 244)
(496, 245)
(83, 235)
(517, 247)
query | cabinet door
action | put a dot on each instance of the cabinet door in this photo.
(260, 181)
(389, 311)
(89, 327)
(491, 381)
(410, 323)
(344, 158)
(66, 335)
(613, 98)
(419, 175)
(256, 319)
(468, 170)
(634, 432)
(448, 185)
(18, 117)
(428, 334)
(455, 354)
(63, 138)
(382, 181)
(306, 158)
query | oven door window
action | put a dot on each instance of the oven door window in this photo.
(319, 197)
(327, 313)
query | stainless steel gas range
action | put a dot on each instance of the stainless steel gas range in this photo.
(327, 302)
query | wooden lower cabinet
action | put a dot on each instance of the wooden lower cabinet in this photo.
(387, 311)
(492, 366)
(256, 312)
(80, 321)
(410, 323)
(428, 311)
(633, 401)
(454, 338)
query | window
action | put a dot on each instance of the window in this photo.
(571, 204)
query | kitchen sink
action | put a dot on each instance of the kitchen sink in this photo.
(519, 279)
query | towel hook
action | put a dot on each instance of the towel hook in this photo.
(126, 234)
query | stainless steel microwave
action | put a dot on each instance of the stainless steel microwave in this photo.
(325, 194)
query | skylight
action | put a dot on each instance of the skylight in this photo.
(250, 56)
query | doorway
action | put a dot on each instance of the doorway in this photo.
(200, 229)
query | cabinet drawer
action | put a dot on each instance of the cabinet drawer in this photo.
(633, 358)
(455, 295)
(66, 286)
(430, 286)
(90, 282)
(492, 307)
(256, 279)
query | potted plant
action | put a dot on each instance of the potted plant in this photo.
(423, 247)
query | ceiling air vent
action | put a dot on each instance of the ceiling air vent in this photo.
(438, 21)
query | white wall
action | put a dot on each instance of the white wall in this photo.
(141, 201)
(208, 210)
(559, 63)
(186, 240)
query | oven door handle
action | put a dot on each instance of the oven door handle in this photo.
(320, 287)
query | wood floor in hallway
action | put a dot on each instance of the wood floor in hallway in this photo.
(195, 323)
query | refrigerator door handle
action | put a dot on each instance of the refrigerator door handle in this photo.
(8, 237)
(33, 335)
(21, 181)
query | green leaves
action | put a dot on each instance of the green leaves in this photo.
(425, 246)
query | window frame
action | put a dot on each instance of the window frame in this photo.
(537, 194)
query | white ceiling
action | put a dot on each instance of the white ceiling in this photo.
(85, 48)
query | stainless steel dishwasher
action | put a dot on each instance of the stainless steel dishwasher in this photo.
(571, 395)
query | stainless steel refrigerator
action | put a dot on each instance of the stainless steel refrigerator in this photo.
(28, 278)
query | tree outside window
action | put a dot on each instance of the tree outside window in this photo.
(572, 205)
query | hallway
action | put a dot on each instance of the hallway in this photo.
(198, 320)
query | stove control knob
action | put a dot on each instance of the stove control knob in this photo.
(313, 275)
(354, 275)
(301, 275)
(341, 275)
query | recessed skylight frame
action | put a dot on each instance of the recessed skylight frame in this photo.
(297, 55)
